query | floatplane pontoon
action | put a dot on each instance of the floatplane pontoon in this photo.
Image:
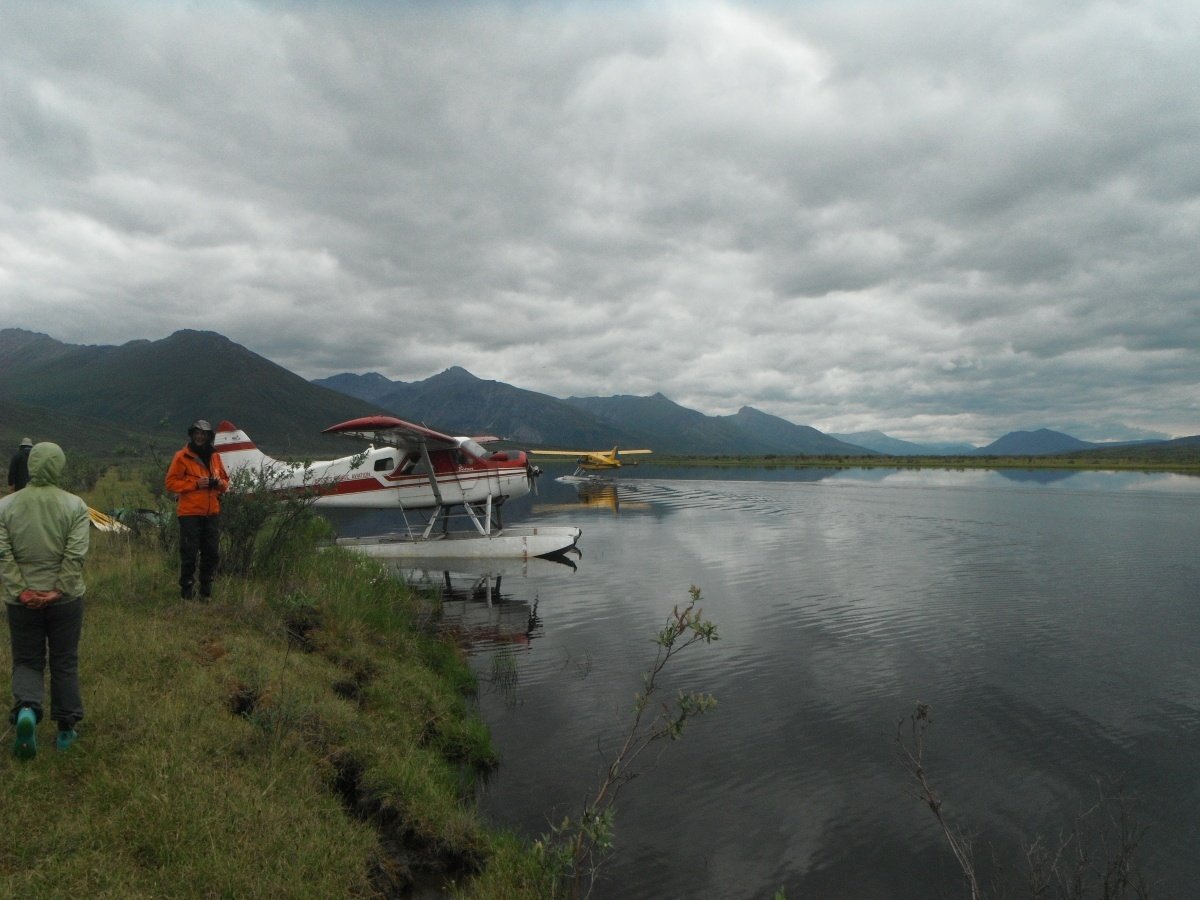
(420, 473)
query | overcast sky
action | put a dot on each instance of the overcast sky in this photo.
(945, 220)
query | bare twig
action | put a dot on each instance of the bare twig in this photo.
(912, 755)
(1097, 858)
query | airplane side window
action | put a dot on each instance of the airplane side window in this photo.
(384, 464)
(410, 464)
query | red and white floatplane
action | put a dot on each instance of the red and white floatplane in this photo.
(422, 473)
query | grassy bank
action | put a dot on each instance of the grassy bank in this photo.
(301, 736)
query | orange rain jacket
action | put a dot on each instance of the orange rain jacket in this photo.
(183, 478)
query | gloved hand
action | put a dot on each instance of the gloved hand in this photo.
(37, 599)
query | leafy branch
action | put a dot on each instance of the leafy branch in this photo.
(577, 847)
(263, 512)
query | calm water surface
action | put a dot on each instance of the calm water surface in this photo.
(1051, 621)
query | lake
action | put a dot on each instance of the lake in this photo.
(1049, 619)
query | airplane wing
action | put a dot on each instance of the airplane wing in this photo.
(393, 432)
(104, 522)
(584, 452)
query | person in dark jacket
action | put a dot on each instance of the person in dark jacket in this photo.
(44, 534)
(18, 468)
(197, 476)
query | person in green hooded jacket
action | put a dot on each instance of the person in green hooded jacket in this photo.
(44, 534)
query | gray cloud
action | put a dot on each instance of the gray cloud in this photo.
(943, 220)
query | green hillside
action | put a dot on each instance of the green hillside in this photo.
(1184, 451)
(160, 387)
(95, 437)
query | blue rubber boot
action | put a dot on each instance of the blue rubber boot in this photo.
(25, 746)
(65, 739)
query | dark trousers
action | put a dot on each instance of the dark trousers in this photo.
(35, 633)
(199, 536)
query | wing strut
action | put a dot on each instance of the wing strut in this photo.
(437, 494)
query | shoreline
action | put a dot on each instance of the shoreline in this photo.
(930, 462)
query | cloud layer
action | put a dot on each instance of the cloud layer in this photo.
(944, 220)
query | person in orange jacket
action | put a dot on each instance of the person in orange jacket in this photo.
(197, 476)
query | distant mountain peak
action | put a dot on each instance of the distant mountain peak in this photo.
(748, 412)
(369, 387)
(188, 334)
(1043, 441)
(25, 334)
(458, 373)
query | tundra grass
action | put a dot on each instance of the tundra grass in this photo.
(304, 736)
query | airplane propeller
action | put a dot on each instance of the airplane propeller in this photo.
(531, 474)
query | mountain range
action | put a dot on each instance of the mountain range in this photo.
(459, 402)
(886, 444)
(141, 396)
(1042, 442)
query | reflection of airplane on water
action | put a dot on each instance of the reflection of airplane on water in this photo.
(473, 605)
(437, 568)
(480, 614)
(593, 460)
(598, 494)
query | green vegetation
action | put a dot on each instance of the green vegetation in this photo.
(228, 741)
(306, 734)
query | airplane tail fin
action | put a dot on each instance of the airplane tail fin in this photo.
(237, 450)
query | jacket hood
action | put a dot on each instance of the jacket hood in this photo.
(46, 464)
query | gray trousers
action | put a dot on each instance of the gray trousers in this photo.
(52, 631)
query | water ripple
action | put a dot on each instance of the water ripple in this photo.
(1050, 628)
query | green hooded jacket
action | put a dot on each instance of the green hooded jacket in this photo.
(44, 531)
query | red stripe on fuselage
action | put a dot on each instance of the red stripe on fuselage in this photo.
(465, 479)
